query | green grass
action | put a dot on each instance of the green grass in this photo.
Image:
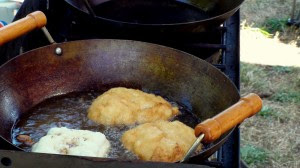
(273, 25)
(267, 112)
(282, 69)
(253, 155)
(287, 96)
(280, 82)
(265, 33)
(271, 114)
(253, 75)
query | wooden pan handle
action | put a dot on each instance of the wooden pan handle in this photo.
(35, 20)
(213, 128)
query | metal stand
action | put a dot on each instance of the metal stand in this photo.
(294, 20)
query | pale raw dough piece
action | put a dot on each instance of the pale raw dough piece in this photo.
(73, 142)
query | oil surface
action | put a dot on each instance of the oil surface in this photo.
(70, 111)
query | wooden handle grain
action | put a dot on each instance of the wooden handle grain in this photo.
(213, 128)
(35, 20)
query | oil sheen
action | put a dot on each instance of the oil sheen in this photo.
(70, 111)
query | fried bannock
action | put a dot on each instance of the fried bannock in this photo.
(129, 106)
(159, 141)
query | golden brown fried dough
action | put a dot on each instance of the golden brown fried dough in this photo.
(159, 141)
(129, 106)
(25, 139)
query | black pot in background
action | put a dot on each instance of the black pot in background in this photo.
(145, 16)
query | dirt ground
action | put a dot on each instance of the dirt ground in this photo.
(258, 49)
(272, 137)
(271, 68)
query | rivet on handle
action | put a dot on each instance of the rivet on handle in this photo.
(58, 51)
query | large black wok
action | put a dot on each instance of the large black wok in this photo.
(86, 65)
(156, 15)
